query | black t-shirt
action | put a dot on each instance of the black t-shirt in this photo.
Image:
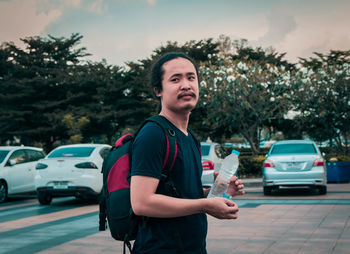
(159, 235)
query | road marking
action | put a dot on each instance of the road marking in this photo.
(251, 203)
(33, 220)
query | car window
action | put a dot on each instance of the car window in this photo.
(219, 151)
(19, 157)
(205, 150)
(104, 152)
(34, 155)
(72, 152)
(293, 149)
(3, 154)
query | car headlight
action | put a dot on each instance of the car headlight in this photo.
(86, 165)
(40, 166)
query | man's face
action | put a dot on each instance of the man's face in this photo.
(179, 86)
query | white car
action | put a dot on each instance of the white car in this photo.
(17, 169)
(211, 161)
(71, 170)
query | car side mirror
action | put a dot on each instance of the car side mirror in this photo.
(11, 163)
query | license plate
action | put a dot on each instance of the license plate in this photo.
(60, 186)
(294, 165)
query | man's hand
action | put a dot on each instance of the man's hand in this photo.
(221, 208)
(235, 186)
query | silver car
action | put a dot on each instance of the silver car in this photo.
(294, 163)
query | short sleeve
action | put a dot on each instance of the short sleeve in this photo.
(148, 151)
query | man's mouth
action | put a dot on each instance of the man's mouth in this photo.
(186, 95)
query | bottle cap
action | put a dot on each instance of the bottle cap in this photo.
(235, 152)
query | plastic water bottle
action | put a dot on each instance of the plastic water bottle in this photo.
(228, 168)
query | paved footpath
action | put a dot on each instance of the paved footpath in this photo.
(292, 221)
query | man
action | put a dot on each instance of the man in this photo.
(171, 224)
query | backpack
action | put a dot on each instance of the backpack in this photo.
(115, 202)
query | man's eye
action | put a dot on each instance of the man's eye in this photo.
(175, 80)
(191, 77)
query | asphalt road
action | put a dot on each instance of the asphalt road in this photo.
(291, 221)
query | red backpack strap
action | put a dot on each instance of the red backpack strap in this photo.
(122, 140)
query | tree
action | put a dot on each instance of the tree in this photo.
(323, 97)
(269, 55)
(240, 96)
(197, 50)
(34, 87)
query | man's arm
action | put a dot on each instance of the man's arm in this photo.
(146, 202)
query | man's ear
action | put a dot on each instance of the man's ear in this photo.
(157, 92)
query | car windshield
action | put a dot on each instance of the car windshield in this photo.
(72, 152)
(293, 149)
(205, 150)
(3, 154)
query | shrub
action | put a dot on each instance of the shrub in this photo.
(250, 166)
(333, 158)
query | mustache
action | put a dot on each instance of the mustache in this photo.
(186, 94)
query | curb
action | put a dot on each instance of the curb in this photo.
(249, 183)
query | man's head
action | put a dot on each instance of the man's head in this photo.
(158, 70)
(178, 75)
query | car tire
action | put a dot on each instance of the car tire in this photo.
(322, 190)
(3, 192)
(267, 190)
(44, 198)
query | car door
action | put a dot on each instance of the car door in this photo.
(20, 172)
(33, 157)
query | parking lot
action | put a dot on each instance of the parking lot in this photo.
(291, 221)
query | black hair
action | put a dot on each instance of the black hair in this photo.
(158, 71)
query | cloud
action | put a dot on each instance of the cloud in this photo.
(318, 32)
(22, 19)
(280, 24)
(50, 5)
(97, 6)
(151, 2)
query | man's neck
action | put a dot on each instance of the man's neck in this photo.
(179, 120)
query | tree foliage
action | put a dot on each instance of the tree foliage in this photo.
(50, 95)
(323, 97)
(33, 87)
(241, 96)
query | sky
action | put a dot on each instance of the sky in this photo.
(129, 30)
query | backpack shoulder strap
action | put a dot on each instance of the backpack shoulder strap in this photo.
(196, 141)
(171, 145)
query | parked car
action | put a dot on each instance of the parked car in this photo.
(294, 163)
(266, 144)
(71, 170)
(211, 160)
(17, 170)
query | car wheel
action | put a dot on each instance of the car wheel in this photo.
(3, 192)
(44, 198)
(267, 190)
(322, 190)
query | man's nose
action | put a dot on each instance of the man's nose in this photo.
(185, 85)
